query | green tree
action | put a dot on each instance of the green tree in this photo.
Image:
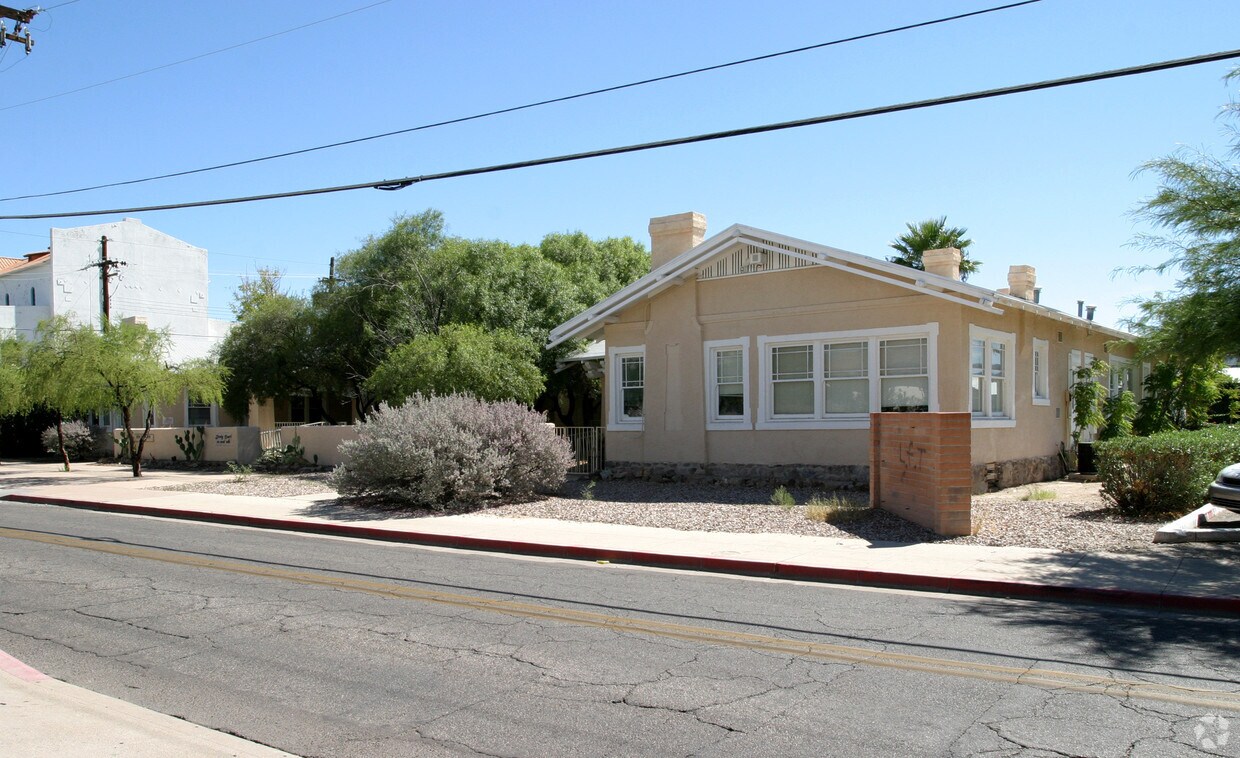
(60, 378)
(270, 352)
(12, 376)
(490, 364)
(933, 234)
(1178, 395)
(128, 361)
(1197, 212)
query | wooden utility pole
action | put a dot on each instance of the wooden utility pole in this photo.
(21, 19)
(106, 271)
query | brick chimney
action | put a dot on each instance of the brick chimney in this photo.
(944, 262)
(1021, 281)
(672, 235)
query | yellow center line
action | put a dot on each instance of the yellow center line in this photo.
(1044, 678)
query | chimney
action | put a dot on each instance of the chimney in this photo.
(1021, 281)
(1089, 312)
(1080, 309)
(944, 262)
(672, 235)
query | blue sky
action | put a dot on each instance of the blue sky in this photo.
(1042, 178)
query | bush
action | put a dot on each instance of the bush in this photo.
(452, 451)
(1167, 473)
(79, 440)
(837, 509)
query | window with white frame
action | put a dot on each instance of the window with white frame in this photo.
(904, 372)
(727, 384)
(627, 372)
(1041, 376)
(835, 380)
(991, 386)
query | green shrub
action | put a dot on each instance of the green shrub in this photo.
(1167, 473)
(1035, 492)
(783, 498)
(80, 441)
(291, 456)
(453, 451)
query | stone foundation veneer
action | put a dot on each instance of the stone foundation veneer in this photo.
(830, 477)
(987, 477)
(990, 477)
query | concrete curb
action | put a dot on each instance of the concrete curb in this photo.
(775, 570)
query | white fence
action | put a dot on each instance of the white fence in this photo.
(587, 442)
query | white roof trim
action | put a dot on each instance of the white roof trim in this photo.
(679, 268)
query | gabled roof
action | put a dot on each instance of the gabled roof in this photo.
(685, 266)
(10, 265)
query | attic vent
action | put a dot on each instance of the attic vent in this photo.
(1059, 336)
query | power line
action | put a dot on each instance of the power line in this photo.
(192, 58)
(402, 183)
(527, 106)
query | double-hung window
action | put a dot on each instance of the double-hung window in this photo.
(727, 384)
(836, 379)
(199, 414)
(626, 372)
(1041, 377)
(1122, 377)
(991, 385)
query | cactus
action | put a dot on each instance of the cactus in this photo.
(193, 448)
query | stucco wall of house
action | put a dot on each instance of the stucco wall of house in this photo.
(674, 325)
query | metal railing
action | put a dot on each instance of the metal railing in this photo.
(270, 439)
(587, 443)
(286, 424)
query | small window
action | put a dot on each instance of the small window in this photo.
(6, 298)
(727, 384)
(32, 302)
(626, 371)
(1041, 381)
(198, 414)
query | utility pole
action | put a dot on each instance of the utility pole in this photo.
(20, 19)
(106, 271)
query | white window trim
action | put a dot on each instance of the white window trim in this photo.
(715, 422)
(1042, 348)
(1009, 392)
(765, 402)
(616, 421)
(1118, 365)
(215, 413)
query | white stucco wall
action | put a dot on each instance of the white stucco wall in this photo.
(163, 280)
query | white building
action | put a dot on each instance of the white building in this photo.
(159, 279)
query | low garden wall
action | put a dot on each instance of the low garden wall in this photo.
(321, 443)
(219, 443)
(920, 469)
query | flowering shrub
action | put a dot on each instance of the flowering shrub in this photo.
(452, 451)
(79, 440)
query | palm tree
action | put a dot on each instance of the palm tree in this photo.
(933, 234)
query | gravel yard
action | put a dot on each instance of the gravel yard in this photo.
(1076, 519)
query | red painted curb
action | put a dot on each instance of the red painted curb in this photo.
(14, 667)
(896, 580)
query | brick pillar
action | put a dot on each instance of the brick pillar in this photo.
(920, 468)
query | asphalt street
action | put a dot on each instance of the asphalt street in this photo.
(333, 647)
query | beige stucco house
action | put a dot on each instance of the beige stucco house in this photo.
(753, 353)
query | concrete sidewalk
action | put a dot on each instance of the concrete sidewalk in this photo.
(1191, 578)
(46, 717)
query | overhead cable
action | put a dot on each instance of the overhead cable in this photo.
(673, 142)
(515, 108)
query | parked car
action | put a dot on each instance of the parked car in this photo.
(1225, 491)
